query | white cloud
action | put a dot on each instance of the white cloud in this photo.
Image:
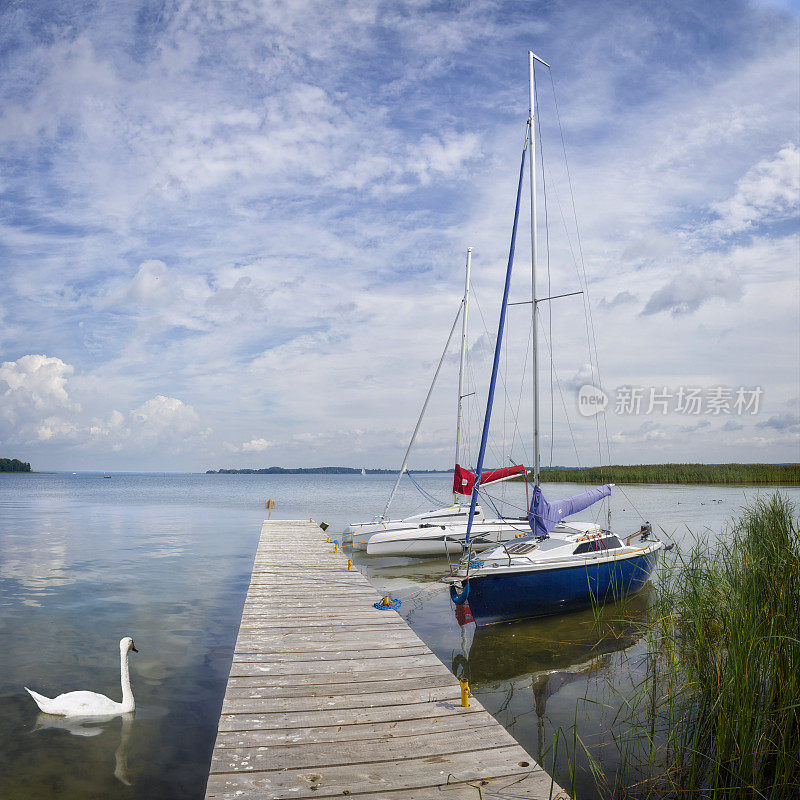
(619, 299)
(447, 155)
(582, 377)
(34, 399)
(769, 191)
(257, 446)
(166, 417)
(689, 290)
(38, 381)
(37, 407)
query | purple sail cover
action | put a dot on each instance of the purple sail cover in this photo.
(544, 516)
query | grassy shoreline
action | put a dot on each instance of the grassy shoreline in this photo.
(713, 708)
(719, 474)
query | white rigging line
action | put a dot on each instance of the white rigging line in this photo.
(587, 303)
(549, 276)
(563, 403)
(586, 311)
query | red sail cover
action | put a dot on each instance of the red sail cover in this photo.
(464, 480)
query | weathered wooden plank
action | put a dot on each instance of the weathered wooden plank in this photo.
(333, 651)
(243, 676)
(351, 666)
(505, 788)
(324, 702)
(415, 773)
(323, 591)
(267, 649)
(341, 717)
(315, 755)
(389, 689)
(336, 734)
(249, 675)
(322, 620)
(267, 644)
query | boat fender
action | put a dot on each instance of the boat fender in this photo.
(387, 604)
(459, 599)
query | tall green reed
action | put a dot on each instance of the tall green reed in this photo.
(727, 632)
(714, 709)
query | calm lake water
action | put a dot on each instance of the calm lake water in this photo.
(166, 559)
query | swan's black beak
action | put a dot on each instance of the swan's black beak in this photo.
(133, 647)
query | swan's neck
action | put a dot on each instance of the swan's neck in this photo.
(125, 679)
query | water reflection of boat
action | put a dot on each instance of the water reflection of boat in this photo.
(502, 663)
(504, 653)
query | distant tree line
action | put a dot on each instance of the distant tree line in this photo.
(314, 471)
(774, 474)
(13, 465)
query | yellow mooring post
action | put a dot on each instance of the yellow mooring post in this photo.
(349, 564)
(464, 692)
(270, 504)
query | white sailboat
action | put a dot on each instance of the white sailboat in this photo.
(441, 530)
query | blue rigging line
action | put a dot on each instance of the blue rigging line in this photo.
(497, 348)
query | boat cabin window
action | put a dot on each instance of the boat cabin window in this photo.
(595, 545)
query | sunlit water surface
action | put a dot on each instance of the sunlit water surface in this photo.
(166, 559)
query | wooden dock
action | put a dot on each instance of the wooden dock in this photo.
(329, 697)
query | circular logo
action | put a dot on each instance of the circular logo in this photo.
(591, 400)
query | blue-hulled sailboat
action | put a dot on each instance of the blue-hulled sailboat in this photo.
(560, 565)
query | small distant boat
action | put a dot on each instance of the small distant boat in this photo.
(363, 471)
(559, 566)
(106, 476)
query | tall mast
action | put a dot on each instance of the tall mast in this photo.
(464, 323)
(534, 258)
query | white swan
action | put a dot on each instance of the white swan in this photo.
(92, 704)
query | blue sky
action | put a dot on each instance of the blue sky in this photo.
(233, 233)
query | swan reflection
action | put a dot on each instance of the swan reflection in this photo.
(94, 726)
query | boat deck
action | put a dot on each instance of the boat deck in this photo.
(329, 697)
